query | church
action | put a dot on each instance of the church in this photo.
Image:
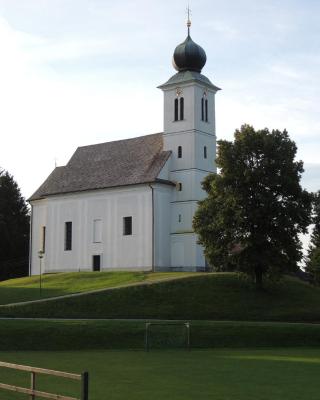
(129, 204)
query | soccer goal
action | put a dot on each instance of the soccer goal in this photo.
(167, 335)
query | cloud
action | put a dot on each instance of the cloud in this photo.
(311, 177)
(222, 28)
(46, 115)
(71, 49)
(25, 49)
(281, 71)
(278, 95)
(68, 68)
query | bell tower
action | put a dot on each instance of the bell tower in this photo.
(189, 132)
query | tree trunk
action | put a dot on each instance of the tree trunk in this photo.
(258, 278)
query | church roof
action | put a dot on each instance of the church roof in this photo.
(188, 76)
(119, 163)
(189, 56)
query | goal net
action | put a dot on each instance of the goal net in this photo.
(167, 335)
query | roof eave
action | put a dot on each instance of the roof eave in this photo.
(156, 180)
(180, 78)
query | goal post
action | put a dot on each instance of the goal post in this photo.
(166, 325)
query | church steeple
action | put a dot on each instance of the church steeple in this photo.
(189, 19)
(188, 55)
(189, 133)
(189, 95)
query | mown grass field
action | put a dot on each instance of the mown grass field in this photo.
(262, 355)
(26, 289)
(64, 335)
(224, 374)
(217, 296)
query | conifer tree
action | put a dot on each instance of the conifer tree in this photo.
(14, 228)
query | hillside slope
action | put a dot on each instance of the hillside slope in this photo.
(61, 284)
(217, 296)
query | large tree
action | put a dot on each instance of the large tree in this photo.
(313, 257)
(14, 228)
(256, 207)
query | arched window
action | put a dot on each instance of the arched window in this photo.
(180, 187)
(206, 110)
(179, 151)
(202, 109)
(205, 152)
(176, 109)
(181, 108)
(179, 218)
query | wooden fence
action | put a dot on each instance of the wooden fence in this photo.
(83, 378)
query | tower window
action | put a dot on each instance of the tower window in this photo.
(179, 218)
(97, 231)
(127, 226)
(179, 151)
(176, 109)
(43, 244)
(205, 152)
(68, 236)
(180, 187)
(206, 110)
(181, 108)
(202, 109)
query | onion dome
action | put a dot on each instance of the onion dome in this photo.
(189, 56)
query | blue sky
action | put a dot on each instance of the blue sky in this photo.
(77, 72)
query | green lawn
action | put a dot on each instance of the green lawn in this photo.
(95, 335)
(24, 289)
(217, 296)
(246, 374)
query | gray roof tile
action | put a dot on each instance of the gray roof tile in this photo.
(123, 162)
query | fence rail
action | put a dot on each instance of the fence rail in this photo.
(83, 378)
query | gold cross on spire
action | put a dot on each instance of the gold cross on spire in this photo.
(189, 19)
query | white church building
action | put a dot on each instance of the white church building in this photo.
(129, 204)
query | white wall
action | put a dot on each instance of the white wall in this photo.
(185, 252)
(192, 93)
(191, 185)
(162, 203)
(110, 205)
(192, 143)
(192, 134)
(39, 219)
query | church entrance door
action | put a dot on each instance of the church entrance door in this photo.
(96, 262)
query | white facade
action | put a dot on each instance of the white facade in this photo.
(143, 226)
(109, 207)
(192, 141)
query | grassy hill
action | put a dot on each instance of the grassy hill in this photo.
(26, 289)
(217, 296)
(210, 302)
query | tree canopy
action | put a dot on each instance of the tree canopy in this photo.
(14, 228)
(256, 207)
(313, 257)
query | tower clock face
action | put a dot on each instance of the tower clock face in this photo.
(179, 91)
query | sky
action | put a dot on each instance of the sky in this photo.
(79, 72)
